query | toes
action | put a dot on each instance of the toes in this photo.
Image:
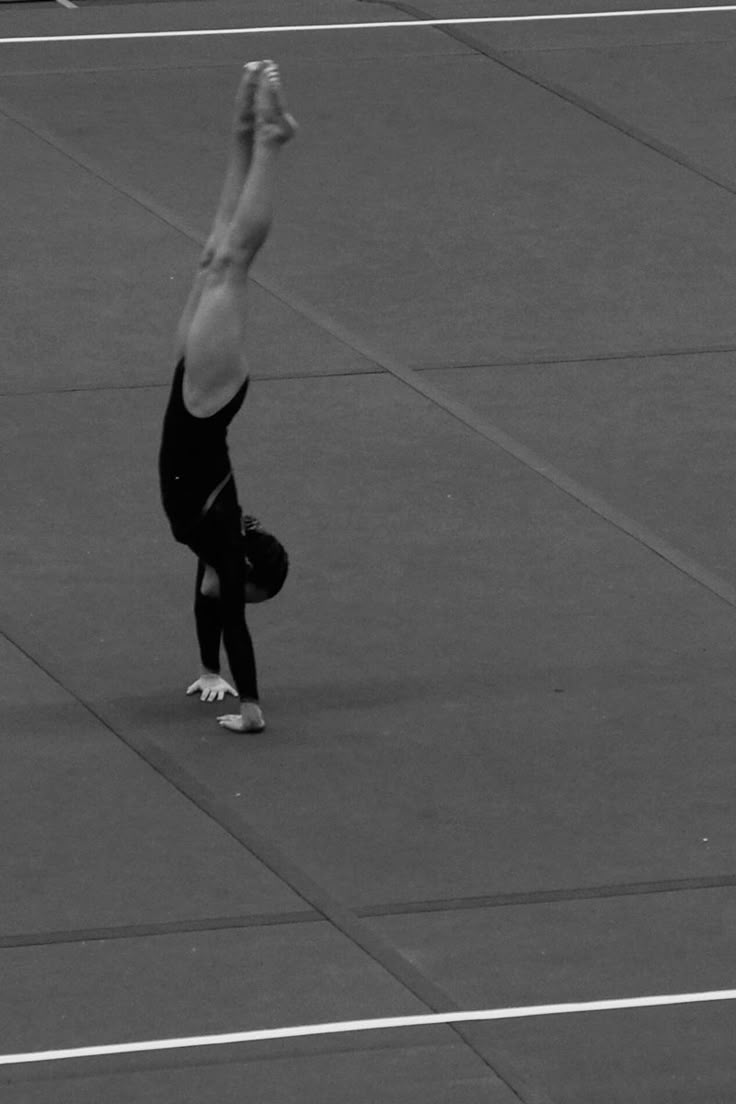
(272, 84)
(247, 89)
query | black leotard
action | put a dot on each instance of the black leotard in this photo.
(193, 462)
(194, 457)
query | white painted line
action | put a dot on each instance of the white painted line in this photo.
(367, 26)
(365, 1025)
(66, 3)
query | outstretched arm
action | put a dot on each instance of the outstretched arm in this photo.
(209, 624)
(209, 685)
(238, 646)
(218, 545)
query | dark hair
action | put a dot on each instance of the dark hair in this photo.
(267, 559)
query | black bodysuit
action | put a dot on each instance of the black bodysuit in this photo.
(193, 462)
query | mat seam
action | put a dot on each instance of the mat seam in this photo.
(340, 917)
(382, 910)
(583, 103)
(155, 757)
(378, 370)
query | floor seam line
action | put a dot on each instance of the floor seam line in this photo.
(541, 897)
(387, 910)
(110, 933)
(81, 161)
(479, 425)
(341, 917)
(563, 359)
(539, 465)
(115, 387)
(588, 499)
(148, 204)
(590, 107)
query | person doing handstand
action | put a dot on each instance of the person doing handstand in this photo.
(237, 560)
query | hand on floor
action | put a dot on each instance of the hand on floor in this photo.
(212, 687)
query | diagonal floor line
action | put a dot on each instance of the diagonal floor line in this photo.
(590, 107)
(538, 464)
(341, 917)
(586, 497)
(151, 206)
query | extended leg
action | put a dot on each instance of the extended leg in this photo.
(214, 341)
(239, 161)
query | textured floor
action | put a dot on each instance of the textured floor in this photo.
(491, 417)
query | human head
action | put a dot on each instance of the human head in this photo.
(266, 561)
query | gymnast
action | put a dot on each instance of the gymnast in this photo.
(237, 560)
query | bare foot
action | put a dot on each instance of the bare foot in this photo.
(246, 96)
(249, 719)
(273, 122)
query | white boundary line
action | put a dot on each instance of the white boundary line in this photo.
(365, 1025)
(366, 26)
(396, 1021)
